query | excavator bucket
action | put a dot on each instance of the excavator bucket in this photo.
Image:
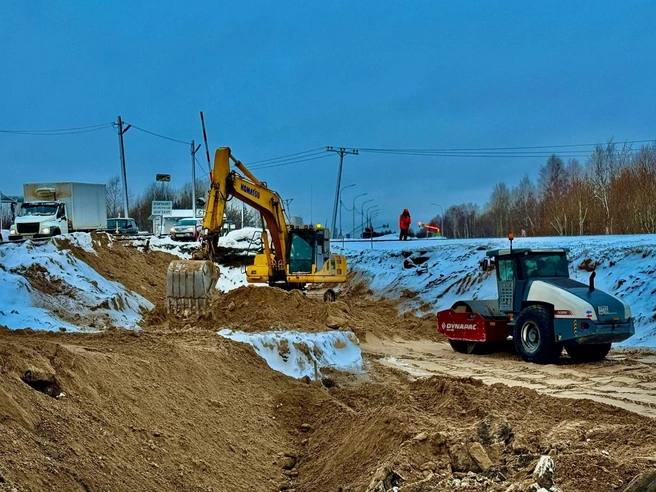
(189, 285)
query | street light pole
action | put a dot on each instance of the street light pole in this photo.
(362, 213)
(442, 209)
(369, 210)
(340, 207)
(353, 210)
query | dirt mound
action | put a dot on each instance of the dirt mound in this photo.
(268, 308)
(192, 411)
(139, 271)
(442, 434)
(120, 411)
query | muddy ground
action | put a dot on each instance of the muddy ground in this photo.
(175, 407)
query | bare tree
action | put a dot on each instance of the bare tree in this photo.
(113, 192)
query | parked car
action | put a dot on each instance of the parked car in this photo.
(122, 227)
(188, 229)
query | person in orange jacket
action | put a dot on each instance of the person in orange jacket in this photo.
(404, 224)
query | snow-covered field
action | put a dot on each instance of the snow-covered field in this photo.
(47, 288)
(450, 270)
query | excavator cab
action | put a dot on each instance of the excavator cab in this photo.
(308, 249)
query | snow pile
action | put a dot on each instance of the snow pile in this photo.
(45, 288)
(245, 238)
(80, 239)
(230, 278)
(439, 272)
(180, 249)
(299, 354)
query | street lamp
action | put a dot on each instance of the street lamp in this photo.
(362, 213)
(353, 210)
(441, 208)
(369, 210)
(340, 207)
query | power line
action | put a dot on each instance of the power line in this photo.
(477, 149)
(160, 135)
(298, 161)
(283, 157)
(60, 131)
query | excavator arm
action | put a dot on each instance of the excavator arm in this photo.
(224, 184)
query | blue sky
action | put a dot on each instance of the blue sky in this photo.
(280, 77)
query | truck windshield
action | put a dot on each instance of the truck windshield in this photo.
(186, 222)
(545, 265)
(37, 209)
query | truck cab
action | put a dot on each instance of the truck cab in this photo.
(39, 219)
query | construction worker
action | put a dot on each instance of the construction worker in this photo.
(404, 224)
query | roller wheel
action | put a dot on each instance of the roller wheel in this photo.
(463, 347)
(534, 336)
(588, 353)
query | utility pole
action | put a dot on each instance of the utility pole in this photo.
(121, 149)
(194, 149)
(341, 151)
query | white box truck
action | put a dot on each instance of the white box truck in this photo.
(50, 209)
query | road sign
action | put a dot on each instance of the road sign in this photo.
(163, 177)
(161, 207)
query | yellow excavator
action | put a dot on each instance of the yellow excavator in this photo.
(292, 257)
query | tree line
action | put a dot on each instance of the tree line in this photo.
(141, 205)
(612, 192)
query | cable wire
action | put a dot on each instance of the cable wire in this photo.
(159, 134)
(283, 157)
(60, 131)
(298, 161)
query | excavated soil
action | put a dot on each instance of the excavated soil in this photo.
(265, 308)
(175, 407)
(192, 411)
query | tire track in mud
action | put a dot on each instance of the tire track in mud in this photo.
(626, 379)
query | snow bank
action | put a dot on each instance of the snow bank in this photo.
(299, 354)
(449, 270)
(45, 288)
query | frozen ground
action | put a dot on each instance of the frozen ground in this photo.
(450, 270)
(298, 354)
(44, 287)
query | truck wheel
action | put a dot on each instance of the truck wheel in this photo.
(588, 352)
(534, 337)
(55, 231)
